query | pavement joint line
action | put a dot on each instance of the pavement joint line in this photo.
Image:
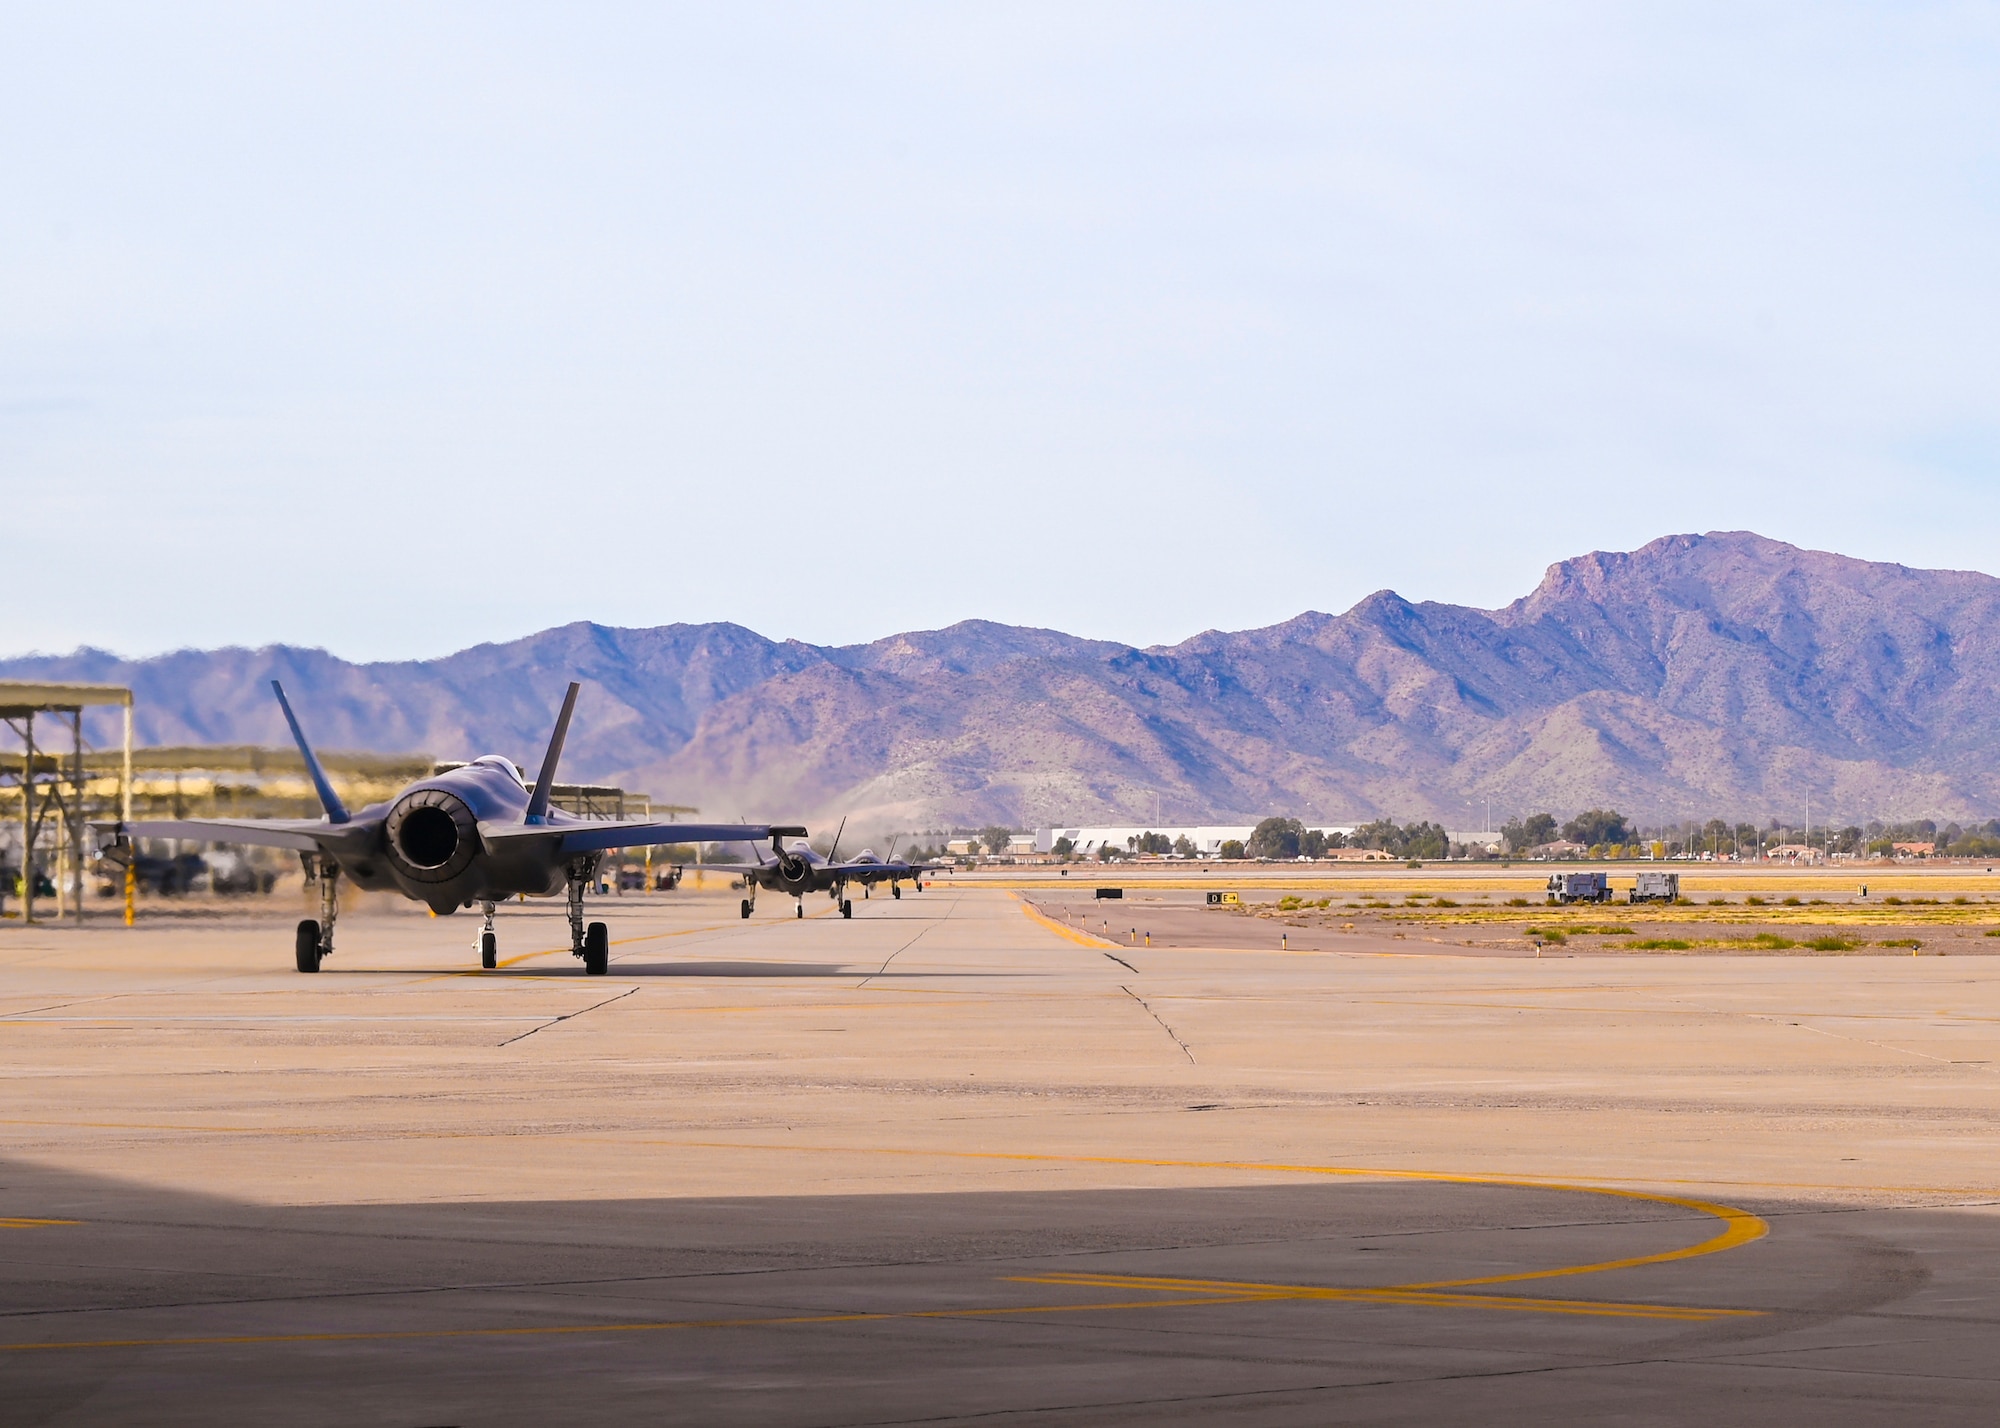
(1186, 1050)
(569, 1016)
(879, 971)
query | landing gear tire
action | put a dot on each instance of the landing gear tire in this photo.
(896, 891)
(306, 949)
(746, 907)
(489, 951)
(847, 907)
(596, 949)
(802, 909)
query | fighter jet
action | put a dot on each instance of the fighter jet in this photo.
(473, 834)
(798, 870)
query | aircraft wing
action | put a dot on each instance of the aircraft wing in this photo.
(307, 835)
(599, 837)
(881, 869)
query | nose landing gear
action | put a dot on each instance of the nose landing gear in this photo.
(489, 940)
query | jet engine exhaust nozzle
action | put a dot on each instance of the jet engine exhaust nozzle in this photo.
(432, 835)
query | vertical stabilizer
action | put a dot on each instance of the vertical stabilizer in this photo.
(538, 801)
(336, 811)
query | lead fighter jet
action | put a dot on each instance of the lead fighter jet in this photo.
(474, 834)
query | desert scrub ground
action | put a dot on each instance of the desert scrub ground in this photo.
(1804, 915)
(1762, 906)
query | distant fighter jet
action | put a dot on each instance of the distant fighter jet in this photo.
(474, 834)
(798, 870)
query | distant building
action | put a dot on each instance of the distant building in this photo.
(1207, 839)
(1916, 850)
(1794, 853)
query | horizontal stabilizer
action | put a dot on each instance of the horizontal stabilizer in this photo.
(302, 834)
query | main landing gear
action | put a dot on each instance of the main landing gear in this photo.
(896, 891)
(489, 940)
(314, 943)
(750, 902)
(847, 907)
(592, 943)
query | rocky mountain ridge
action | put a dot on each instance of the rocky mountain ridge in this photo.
(1721, 673)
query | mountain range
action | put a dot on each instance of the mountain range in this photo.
(1723, 673)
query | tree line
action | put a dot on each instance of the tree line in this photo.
(1603, 830)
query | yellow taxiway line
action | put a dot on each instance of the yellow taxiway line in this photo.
(1082, 939)
(1395, 1294)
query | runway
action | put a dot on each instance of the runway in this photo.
(941, 1163)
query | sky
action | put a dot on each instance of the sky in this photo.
(398, 328)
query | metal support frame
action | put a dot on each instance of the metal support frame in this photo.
(54, 787)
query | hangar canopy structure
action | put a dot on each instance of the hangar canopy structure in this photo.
(52, 787)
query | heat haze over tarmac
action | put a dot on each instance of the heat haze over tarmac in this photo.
(949, 1161)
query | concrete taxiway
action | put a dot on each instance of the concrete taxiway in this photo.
(950, 1160)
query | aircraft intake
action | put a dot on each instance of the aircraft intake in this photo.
(432, 835)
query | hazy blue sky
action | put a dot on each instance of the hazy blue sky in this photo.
(398, 328)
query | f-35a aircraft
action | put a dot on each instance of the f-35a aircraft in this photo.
(474, 834)
(798, 870)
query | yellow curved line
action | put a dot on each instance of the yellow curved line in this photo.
(1740, 1227)
(1082, 939)
(1393, 1295)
